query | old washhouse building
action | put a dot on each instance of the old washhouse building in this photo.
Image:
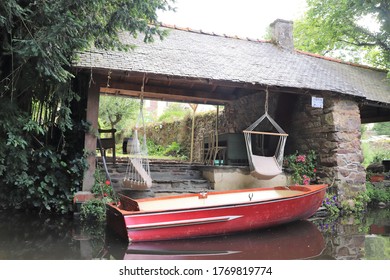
(197, 67)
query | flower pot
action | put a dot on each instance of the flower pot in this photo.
(377, 178)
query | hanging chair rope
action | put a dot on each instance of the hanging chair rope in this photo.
(138, 170)
(265, 167)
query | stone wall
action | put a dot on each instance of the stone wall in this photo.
(334, 133)
(243, 112)
(180, 131)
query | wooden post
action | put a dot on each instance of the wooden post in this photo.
(194, 107)
(90, 137)
(216, 136)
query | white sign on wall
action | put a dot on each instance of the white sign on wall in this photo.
(317, 102)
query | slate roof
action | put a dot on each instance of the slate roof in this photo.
(188, 53)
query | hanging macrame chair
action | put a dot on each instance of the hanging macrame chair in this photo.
(261, 166)
(137, 175)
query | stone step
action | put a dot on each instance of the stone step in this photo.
(175, 171)
(175, 175)
(167, 178)
(163, 176)
(165, 172)
(181, 185)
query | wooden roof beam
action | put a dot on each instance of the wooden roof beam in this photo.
(163, 96)
(172, 79)
(219, 97)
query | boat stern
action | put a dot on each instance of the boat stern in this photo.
(116, 221)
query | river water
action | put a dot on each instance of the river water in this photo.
(29, 236)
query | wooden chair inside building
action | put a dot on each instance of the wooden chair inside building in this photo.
(214, 154)
(108, 142)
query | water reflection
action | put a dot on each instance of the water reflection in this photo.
(377, 243)
(300, 240)
(357, 237)
(29, 236)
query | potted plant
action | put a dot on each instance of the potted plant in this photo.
(376, 178)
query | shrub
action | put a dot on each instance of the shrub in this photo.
(302, 167)
(154, 149)
(331, 204)
(378, 194)
(93, 210)
(356, 205)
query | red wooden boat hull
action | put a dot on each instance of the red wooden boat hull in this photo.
(149, 220)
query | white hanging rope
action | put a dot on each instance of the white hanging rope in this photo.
(138, 169)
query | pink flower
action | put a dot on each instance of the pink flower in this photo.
(306, 180)
(108, 182)
(301, 158)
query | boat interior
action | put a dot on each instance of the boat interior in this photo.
(205, 199)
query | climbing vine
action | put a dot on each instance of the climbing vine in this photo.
(42, 115)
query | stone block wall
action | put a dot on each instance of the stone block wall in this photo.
(334, 133)
(241, 113)
(180, 131)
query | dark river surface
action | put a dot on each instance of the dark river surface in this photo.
(41, 237)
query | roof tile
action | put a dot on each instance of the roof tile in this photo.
(198, 54)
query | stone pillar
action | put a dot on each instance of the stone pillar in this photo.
(90, 137)
(349, 173)
(333, 132)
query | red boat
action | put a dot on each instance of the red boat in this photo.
(214, 213)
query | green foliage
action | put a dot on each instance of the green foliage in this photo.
(368, 153)
(331, 204)
(172, 150)
(375, 150)
(382, 128)
(41, 159)
(174, 112)
(33, 175)
(102, 187)
(374, 153)
(378, 194)
(380, 156)
(302, 167)
(154, 149)
(93, 210)
(357, 205)
(118, 113)
(335, 28)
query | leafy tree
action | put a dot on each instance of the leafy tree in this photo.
(337, 28)
(118, 113)
(41, 162)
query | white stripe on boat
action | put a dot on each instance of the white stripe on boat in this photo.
(180, 223)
